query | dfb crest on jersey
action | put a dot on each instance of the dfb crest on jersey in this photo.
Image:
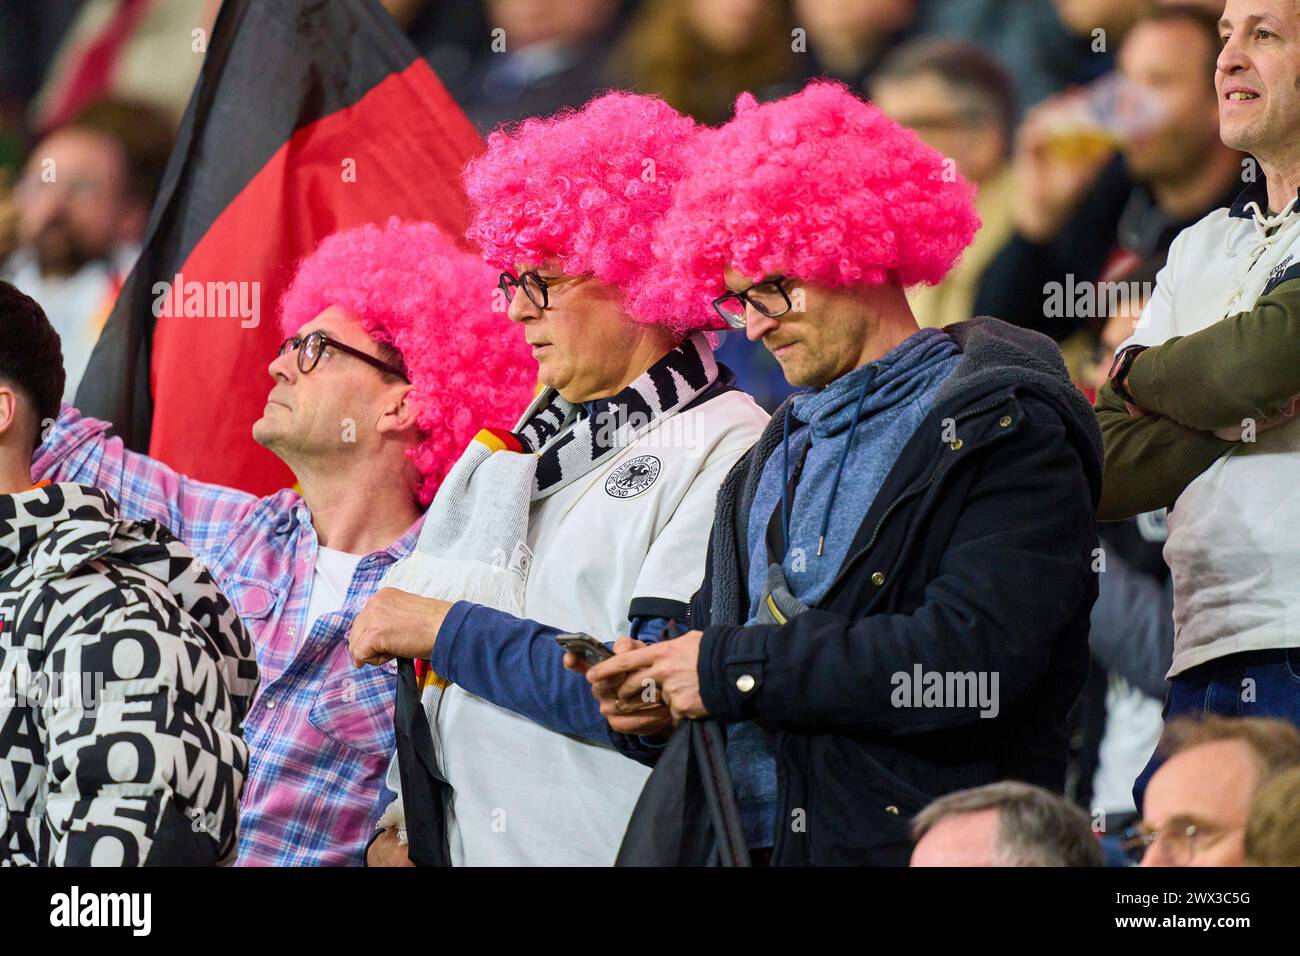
(633, 477)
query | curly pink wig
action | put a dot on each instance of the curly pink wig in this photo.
(586, 188)
(819, 186)
(414, 290)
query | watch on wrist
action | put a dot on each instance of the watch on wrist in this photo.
(1120, 368)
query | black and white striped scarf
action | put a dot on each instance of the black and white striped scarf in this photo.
(569, 444)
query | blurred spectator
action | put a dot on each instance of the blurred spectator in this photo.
(1209, 6)
(29, 35)
(543, 57)
(1273, 830)
(1114, 17)
(1083, 218)
(145, 50)
(1027, 37)
(699, 56)
(1117, 721)
(1196, 807)
(8, 214)
(453, 35)
(82, 205)
(844, 39)
(1003, 824)
(962, 102)
(1132, 641)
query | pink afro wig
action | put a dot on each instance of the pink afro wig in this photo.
(586, 188)
(414, 290)
(819, 186)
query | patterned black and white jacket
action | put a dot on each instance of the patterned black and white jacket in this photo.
(125, 675)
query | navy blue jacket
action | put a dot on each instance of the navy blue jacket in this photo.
(975, 557)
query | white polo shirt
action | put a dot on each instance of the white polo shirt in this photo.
(636, 527)
(1234, 532)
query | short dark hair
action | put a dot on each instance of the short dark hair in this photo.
(974, 75)
(31, 355)
(1199, 17)
(144, 133)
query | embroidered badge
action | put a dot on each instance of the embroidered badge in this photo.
(1282, 272)
(632, 477)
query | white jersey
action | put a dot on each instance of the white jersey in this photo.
(1234, 533)
(633, 530)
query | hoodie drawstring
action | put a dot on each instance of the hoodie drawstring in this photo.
(785, 483)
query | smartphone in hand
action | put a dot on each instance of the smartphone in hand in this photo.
(584, 647)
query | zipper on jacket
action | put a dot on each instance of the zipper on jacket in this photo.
(783, 739)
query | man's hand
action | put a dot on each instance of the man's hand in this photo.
(1049, 184)
(648, 717)
(396, 624)
(1235, 432)
(384, 850)
(668, 668)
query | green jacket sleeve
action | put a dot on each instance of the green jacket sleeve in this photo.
(1244, 366)
(1149, 461)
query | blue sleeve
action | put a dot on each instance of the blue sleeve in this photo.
(648, 629)
(516, 664)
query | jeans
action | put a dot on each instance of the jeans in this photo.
(1249, 684)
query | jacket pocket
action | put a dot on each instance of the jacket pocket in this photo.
(355, 708)
(863, 811)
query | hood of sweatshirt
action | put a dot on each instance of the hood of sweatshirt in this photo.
(996, 356)
(51, 532)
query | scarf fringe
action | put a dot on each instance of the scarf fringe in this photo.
(447, 580)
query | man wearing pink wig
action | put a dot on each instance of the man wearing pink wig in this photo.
(591, 515)
(393, 358)
(899, 578)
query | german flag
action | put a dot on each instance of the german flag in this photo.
(308, 117)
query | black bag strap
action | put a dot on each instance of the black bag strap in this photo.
(424, 791)
(730, 848)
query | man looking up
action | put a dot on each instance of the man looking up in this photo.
(393, 357)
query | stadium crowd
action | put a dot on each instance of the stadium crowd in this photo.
(849, 432)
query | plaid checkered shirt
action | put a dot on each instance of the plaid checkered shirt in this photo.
(320, 732)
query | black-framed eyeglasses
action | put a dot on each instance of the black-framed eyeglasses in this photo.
(311, 347)
(535, 287)
(768, 297)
